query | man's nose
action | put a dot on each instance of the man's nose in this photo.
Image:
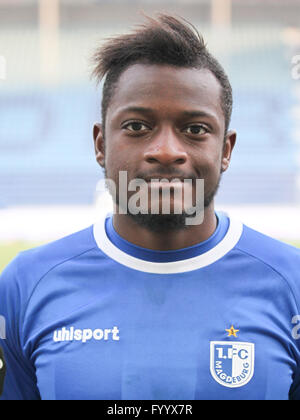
(165, 149)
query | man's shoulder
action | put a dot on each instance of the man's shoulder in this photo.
(66, 247)
(31, 265)
(280, 256)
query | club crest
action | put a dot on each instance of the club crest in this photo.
(232, 363)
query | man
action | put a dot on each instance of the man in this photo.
(144, 305)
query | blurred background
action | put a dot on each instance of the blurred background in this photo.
(48, 105)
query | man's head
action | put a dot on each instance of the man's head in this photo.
(166, 41)
(166, 109)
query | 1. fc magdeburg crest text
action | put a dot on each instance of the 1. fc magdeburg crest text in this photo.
(232, 363)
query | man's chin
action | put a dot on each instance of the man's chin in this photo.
(169, 222)
(160, 223)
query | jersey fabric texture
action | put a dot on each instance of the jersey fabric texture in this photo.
(92, 316)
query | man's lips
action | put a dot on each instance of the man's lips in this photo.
(166, 185)
(166, 182)
(166, 179)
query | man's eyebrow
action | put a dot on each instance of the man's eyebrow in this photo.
(187, 113)
(138, 109)
(195, 114)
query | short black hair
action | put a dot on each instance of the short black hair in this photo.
(164, 40)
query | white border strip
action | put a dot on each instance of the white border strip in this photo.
(222, 248)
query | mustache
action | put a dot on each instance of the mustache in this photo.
(166, 173)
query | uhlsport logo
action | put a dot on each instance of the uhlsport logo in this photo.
(232, 363)
(85, 335)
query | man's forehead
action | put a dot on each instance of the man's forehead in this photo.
(144, 83)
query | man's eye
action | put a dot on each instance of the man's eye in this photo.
(136, 126)
(196, 129)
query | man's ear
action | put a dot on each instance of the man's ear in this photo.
(99, 144)
(229, 144)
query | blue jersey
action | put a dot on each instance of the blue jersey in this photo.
(93, 316)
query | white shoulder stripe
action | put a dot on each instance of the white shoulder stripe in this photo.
(222, 248)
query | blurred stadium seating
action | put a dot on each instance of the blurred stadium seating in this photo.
(46, 148)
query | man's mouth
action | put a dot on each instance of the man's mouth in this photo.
(165, 179)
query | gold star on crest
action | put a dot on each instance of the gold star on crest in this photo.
(232, 332)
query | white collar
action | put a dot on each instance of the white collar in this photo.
(216, 253)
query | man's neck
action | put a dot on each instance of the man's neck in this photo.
(174, 239)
